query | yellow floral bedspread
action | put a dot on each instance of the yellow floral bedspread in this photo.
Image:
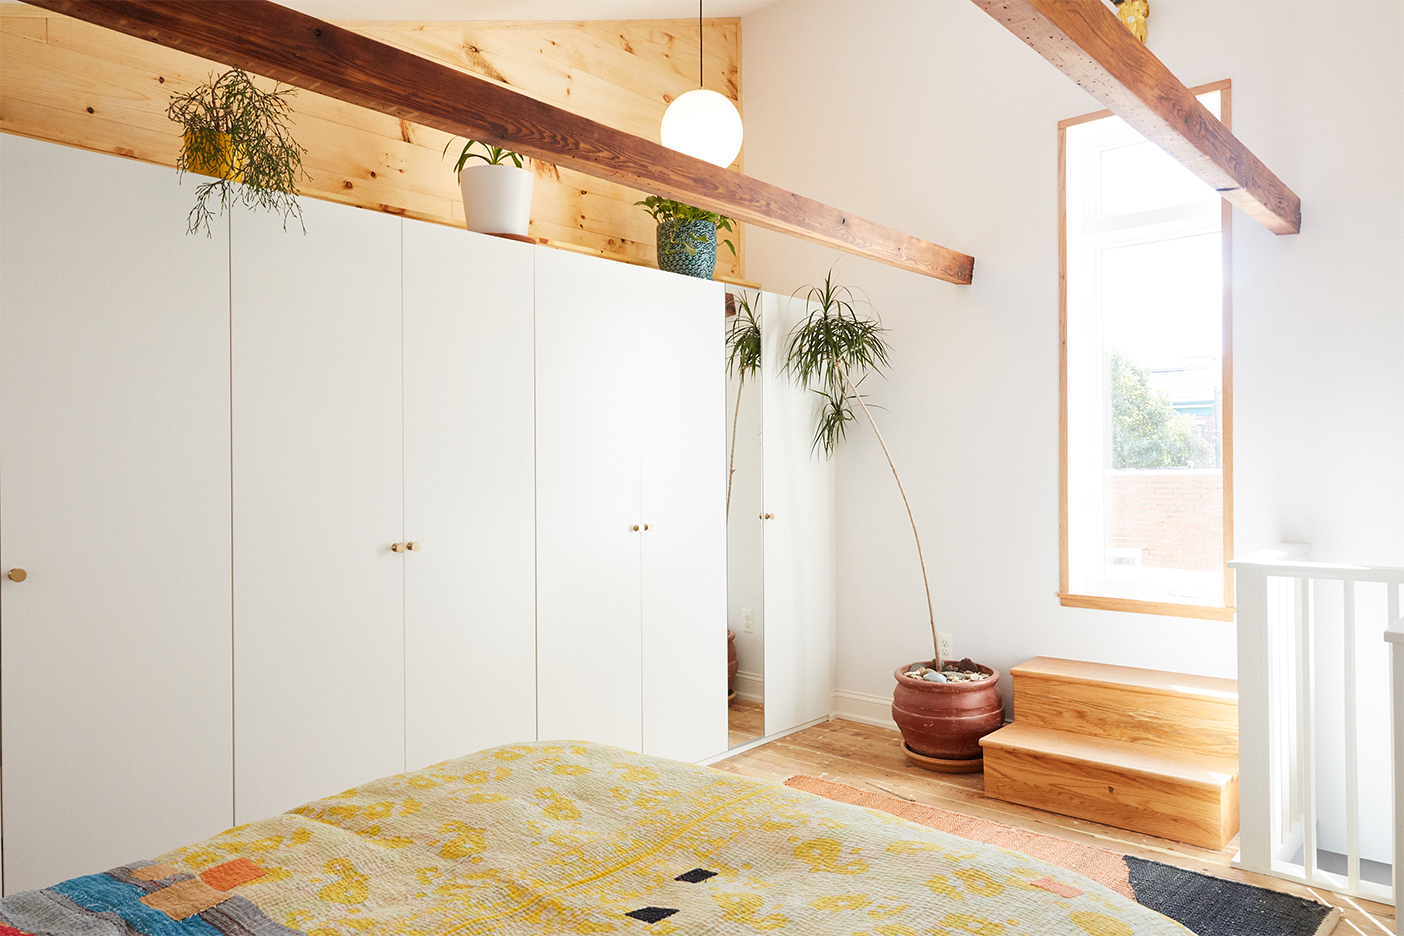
(568, 837)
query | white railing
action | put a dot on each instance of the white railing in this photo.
(1395, 637)
(1317, 752)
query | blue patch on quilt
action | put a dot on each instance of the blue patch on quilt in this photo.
(99, 893)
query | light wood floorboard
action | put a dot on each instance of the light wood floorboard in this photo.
(860, 755)
(745, 721)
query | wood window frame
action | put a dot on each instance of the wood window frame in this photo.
(1102, 602)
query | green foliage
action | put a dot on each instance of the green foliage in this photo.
(495, 155)
(1146, 430)
(665, 209)
(743, 339)
(832, 351)
(238, 133)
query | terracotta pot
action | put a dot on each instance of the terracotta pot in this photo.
(732, 663)
(946, 720)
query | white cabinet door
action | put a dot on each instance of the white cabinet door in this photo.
(683, 478)
(799, 537)
(587, 500)
(470, 608)
(318, 494)
(114, 496)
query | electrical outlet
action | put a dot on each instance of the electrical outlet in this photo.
(944, 646)
(748, 621)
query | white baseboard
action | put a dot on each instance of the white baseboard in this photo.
(862, 708)
(750, 686)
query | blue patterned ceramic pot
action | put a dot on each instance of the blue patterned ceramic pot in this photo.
(687, 247)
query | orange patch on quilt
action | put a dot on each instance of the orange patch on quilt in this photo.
(154, 872)
(184, 898)
(231, 874)
(1062, 890)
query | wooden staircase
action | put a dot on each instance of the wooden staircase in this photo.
(1137, 749)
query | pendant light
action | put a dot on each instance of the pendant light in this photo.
(703, 123)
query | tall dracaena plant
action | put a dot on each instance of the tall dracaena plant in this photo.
(743, 357)
(832, 351)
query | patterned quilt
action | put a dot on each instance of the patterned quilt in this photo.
(567, 838)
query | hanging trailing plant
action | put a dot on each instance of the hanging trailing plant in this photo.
(832, 351)
(743, 358)
(239, 134)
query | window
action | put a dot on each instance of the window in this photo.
(1147, 453)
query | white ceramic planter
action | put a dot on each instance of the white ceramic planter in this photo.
(496, 199)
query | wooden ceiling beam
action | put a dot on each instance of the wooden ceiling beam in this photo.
(1086, 42)
(267, 39)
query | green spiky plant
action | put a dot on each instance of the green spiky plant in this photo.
(492, 155)
(238, 133)
(743, 358)
(832, 351)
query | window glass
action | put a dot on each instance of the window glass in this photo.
(1145, 408)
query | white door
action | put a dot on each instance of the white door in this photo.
(799, 536)
(683, 424)
(470, 587)
(587, 500)
(318, 501)
(114, 498)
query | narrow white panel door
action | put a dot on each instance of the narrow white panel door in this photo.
(318, 487)
(114, 497)
(470, 587)
(799, 536)
(683, 368)
(587, 500)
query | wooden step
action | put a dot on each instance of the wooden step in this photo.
(1179, 795)
(1122, 703)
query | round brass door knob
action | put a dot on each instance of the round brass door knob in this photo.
(636, 528)
(17, 575)
(397, 547)
(412, 546)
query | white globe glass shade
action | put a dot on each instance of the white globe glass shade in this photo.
(704, 124)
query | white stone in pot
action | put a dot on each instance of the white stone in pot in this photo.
(496, 199)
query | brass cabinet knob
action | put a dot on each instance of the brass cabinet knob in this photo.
(412, 546)
(17, 575)
(397, 547)
(636, 528)
(646, 526)
(768, 516)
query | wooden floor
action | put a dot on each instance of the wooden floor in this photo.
(859, 755)
(745, 721)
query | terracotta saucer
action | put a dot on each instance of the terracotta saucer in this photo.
(942, 765)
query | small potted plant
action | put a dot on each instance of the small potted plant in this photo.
(238, 134)
(942, 709)
(496, 194)
(686, 236)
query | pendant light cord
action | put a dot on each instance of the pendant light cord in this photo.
(701, 83)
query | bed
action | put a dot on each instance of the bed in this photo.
(576, 838)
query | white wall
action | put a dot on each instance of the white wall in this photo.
(932, 118)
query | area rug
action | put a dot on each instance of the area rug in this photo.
(1205, 905)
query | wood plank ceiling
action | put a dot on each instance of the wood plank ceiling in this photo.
(1086, 42)
(270, 40)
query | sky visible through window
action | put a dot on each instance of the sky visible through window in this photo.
(1161, 301)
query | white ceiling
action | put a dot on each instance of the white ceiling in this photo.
(468, 10)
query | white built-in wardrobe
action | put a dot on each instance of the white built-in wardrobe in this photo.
(300, 511)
